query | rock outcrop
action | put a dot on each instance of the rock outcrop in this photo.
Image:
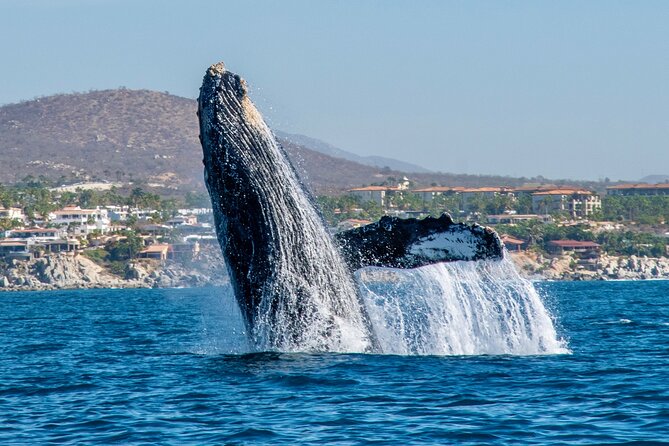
(61, 271)
(566, 267)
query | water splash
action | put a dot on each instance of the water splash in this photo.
(459, 308)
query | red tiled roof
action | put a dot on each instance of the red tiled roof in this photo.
(507, 239)
(31, 230)
(12, 243)
(374, 188)
(438, 189)
(486, 189)
(574, 244)
(157, 248)
(564, 192)
(640, 186)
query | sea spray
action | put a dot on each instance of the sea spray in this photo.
(459, 308)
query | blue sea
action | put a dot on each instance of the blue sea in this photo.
(166, 367)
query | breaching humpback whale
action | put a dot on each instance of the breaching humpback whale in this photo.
(293, 281)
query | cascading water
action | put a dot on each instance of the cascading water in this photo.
(459, 308)
(316, 299)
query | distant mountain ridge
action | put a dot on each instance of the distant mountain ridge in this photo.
(654, 179)
(329, 149)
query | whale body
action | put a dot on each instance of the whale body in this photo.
(292, 280)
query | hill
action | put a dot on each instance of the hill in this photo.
(151, 139)
(329, 149)
(132, 135)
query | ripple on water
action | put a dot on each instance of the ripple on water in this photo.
(136, 381)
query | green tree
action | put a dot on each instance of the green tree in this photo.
(125, 249)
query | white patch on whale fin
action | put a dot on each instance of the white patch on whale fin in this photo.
(445, 245)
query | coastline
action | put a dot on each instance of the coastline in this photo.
(567, 267)
(66, 271)
(62, 271)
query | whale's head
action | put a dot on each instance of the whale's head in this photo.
(225, 81)
(228, 118)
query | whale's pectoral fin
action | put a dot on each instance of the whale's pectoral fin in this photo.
(409, 243)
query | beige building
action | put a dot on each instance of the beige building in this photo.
(83, 221)
(639, 189)
(468, 194)
(576, 203)
(377, 194)
(428, 194)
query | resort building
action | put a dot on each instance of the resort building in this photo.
(469, 194)
(376, 194)
(639, 189)
(529, 189)
(381, 195)
(428, 194)
(576, 203)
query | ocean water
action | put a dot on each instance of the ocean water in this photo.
(168, 367)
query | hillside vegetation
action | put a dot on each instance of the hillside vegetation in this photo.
(149, 137)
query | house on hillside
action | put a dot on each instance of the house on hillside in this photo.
(159, 251)
(36, 235)
(81, 221)
(15, 249)
(381, 195)
(512, 243)
(581, 248)
(66, 245)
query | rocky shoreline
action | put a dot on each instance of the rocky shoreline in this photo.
(569, 268)
(66, 271)
(61, 271)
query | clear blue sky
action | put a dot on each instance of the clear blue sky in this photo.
(567, 89)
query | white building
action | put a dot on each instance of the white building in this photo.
(36, 235)
(82, 221)
(182, 220)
